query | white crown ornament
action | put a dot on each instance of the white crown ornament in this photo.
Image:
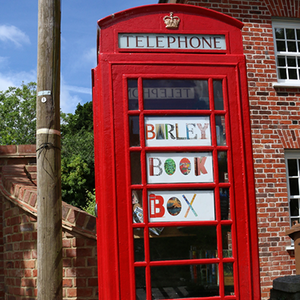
(171, 22)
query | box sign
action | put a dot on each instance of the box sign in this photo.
(171, 41)
(177, 131)
(168, 206)
(179, 167)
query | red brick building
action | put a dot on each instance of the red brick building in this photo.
(271, 39)
(18, 234)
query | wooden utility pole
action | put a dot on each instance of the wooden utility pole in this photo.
(49, 220)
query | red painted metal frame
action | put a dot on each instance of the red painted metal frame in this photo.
(112, 151)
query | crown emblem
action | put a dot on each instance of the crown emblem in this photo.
(171, 22)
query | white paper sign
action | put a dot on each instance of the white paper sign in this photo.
(178, 206)
(171, 41)
(177, 131)
(179, 167)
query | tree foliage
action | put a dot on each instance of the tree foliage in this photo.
(78, 172)
(18, 115)
(18, 126)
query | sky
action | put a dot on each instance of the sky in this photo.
(18, 44)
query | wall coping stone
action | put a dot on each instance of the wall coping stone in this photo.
(17, 186)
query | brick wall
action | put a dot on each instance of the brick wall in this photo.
(275, 126)
(18, 234)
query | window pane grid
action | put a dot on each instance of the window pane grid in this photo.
(293, 175)
(287, 46)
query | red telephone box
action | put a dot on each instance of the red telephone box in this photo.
(174, 175)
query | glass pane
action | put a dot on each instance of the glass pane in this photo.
(134, 131)
(137, 206)
(280, 45)
(291, 61)
(290, 33)
(218, 95)
(279, 33)
(281, 61)
(183, 243)
(227, 241)
(140, 283)
(199, 281)
(225, 204)
(220, 131)
(133, 103)
(291, 46)
(294, 186)
(135, 163)
(222, 164)
(294, 221)
(292, 73)
(294, 207)
(138, 239)
(292, 167)
(282, 73)
(298, 34)
(228, 279)
(175, 94)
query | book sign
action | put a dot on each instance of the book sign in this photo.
(179, 167)
(177, 206)
(177, 131)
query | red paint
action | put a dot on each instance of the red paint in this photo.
(113, 151)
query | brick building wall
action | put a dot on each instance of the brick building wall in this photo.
(275, 116)
(18, 234)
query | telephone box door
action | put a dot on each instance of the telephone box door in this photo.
(175, 191)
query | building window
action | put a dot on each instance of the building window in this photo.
(292, 161)
(287, 51)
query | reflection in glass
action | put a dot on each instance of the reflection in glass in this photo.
(294, 207)
(228, 279)
(140, 283)
(226, 241)
(292, 73)
(185, 281)
(225, 204)
(292, 167)
(294, 186)
(137, 206)
(222, 164)
(139, 251)
(218, 95)
(294, 221)
(291, 61)
(175, 94)
(133, 100)
(220, 130)
(280, 46)
(135, 163)
(292, 46)
(134, 131)
(282, 73)
(183, 243)
(279, 32)
(290, 33)
(281, 61)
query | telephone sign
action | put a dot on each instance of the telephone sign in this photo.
(171, 41)
(174, 176)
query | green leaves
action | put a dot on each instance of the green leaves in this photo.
(18, 115)
(18, 126)
(77, 171)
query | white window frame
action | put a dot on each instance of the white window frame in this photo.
(296, 178)
(284, 55)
